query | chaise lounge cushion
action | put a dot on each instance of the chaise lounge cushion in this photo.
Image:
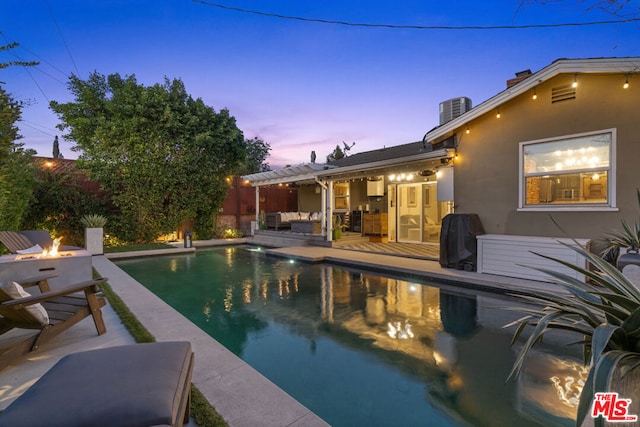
(126, 386)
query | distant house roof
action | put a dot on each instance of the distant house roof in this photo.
(560, 66)
(55, 165)
(67, 167)
(377, 162)
(382, 154)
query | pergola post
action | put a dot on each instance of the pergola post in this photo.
(257, 204)
(328, 209)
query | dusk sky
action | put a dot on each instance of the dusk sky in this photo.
(298, 85)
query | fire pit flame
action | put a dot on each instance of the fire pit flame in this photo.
(53, 252)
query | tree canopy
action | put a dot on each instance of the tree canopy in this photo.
(162, 155)
(338, 153)
(257, 152)
(17, 176)
(15, 63)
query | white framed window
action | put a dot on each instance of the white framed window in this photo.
(573, 172)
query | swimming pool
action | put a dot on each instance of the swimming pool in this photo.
(359, 348)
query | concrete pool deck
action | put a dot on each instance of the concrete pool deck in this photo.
(238, 392)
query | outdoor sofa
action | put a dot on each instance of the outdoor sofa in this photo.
(280, 220)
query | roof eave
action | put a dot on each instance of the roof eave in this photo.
(561, 66)
(386, 163)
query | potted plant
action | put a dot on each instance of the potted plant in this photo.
(93, 233)
(605, 310)
(262, 223)
(336, 227)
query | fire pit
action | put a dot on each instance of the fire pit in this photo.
(70, 266)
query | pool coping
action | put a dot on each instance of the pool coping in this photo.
(240, 394)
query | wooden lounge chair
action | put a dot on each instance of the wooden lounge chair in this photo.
(27, 239)
(14, 241)
(50, 313)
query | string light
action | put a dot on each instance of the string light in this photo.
(467, 130)
(575, 81)
(498, 115)
(626, 83)
(535, 95)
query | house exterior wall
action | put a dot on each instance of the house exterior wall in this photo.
(308, 199)
(487, 170)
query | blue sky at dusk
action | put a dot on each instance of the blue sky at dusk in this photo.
(297, 85)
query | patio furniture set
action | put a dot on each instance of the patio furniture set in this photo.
(297, 222)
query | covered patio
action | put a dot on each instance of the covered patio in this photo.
(393, 195)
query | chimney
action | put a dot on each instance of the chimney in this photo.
(520, 76)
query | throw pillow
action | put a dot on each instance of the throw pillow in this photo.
(35, 249)
(15, 291)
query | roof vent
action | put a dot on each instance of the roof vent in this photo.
(453, 108)
(563, 93)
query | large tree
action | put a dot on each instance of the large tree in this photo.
(162, 155)
(17, 176)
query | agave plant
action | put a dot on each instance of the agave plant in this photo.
(604, 309)
(629, 237)
(93, 221)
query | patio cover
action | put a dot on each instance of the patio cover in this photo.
(305, 172)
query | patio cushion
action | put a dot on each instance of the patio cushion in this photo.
(12, 290)
(35, 249)
(126, 386)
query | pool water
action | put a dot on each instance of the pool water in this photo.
(364, 349)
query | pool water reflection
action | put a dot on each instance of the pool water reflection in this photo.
(360, 348)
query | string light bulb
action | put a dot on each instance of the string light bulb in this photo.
(498, 115)
(626, 83)
(575, 81)
(535, 95)
(467, 131)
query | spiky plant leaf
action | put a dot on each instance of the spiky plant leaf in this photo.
(535, 336)
(604, 308)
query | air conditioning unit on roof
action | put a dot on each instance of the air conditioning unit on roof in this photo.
(454, 107)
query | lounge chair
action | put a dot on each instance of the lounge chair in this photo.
(135, 385)
(14, 241)
(50, 312)
(37, 240)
